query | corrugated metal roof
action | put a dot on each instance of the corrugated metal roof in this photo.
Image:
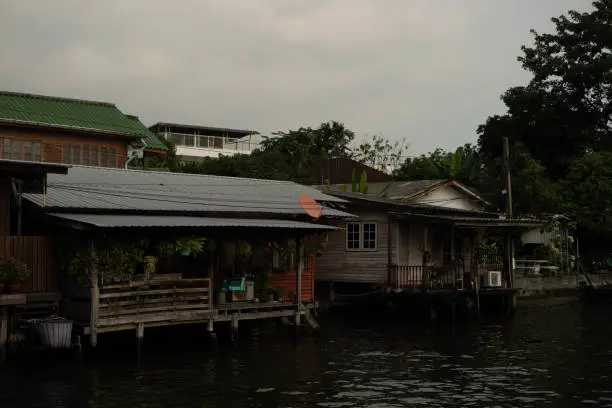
(170, 221)
(390, 202)
(475, 221)
(118, 189)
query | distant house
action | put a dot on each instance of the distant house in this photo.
(438, 193)
(421, 233)
(340, 171)
(194, 142)
(71, 131)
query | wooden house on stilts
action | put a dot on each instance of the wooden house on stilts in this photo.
(140, 249)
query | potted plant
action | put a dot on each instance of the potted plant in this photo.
(13, 273)
(149, 265)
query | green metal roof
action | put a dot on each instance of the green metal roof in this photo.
(65, 113)
(149, 140)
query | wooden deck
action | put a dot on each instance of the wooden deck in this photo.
(156, 303)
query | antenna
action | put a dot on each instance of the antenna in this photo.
(310, 206)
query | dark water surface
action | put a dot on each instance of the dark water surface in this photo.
(556, 356)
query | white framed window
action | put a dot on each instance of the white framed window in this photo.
(361, 236)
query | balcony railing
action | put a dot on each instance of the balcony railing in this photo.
(432, 277)
(243, 145)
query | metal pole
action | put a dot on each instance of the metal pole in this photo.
(509, 212)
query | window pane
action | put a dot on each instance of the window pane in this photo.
(188, 140)
(217, 142)
(202, 141)
(103, 156)
(112, 157)
(37, 151)
(6, 149)
(85, 155)
(66, 154)
(369, 236)
(93, 156)
(16, 149)
(27, 150)
(75, 154)
(352, 236)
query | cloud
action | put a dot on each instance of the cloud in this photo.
(428, 70)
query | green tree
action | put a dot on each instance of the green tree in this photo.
(587, 191)
(380, 153)
(463, 165)
(562, 114)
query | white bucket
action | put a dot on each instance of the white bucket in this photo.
(55, 332)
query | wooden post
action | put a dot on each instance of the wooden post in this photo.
(389, 249)
(509, 212)
(95, 296)
(234, 324)
(4, 321)
(298, 278)
(139, 333)
(476, 287)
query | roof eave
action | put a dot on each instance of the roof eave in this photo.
(23, 123)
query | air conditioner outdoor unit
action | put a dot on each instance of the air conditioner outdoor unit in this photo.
(492, 279)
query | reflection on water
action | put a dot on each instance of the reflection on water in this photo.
(557, 356)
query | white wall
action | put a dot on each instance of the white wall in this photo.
(449, 197)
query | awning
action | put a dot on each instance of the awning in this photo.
(473, 222)
(176, 221)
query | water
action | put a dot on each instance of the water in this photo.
(557, 356)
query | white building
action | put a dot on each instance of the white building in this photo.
(197, 142)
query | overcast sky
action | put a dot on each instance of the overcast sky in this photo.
(427, 70)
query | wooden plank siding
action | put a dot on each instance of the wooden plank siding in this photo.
(337, 264)
(37, 253)
(286, 281)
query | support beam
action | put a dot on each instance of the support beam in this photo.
(140, 333)
(389, 249)
(95, 296)
(299, 249)
(4, 322)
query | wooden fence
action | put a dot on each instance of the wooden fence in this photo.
(37, 253)
(150, 303)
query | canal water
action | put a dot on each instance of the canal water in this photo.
(557, 355)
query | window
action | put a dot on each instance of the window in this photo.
(353, 235)
(103, 156)
(17, 149)
(75, 154)
(369, 236)
(85, 155)
(361, 236)
(111, 160)
(93, 156)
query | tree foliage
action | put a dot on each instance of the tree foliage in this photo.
(380, 153)
(463, 164)
(560, 116)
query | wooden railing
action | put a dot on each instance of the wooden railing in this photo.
(151, 303)
(37, 253)
(426, 277)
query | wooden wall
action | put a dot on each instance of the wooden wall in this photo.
(37, 253)
(286, 281)
(337, 264)
(53, 140)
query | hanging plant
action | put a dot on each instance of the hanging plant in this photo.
(244, 249)
(190, 246)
